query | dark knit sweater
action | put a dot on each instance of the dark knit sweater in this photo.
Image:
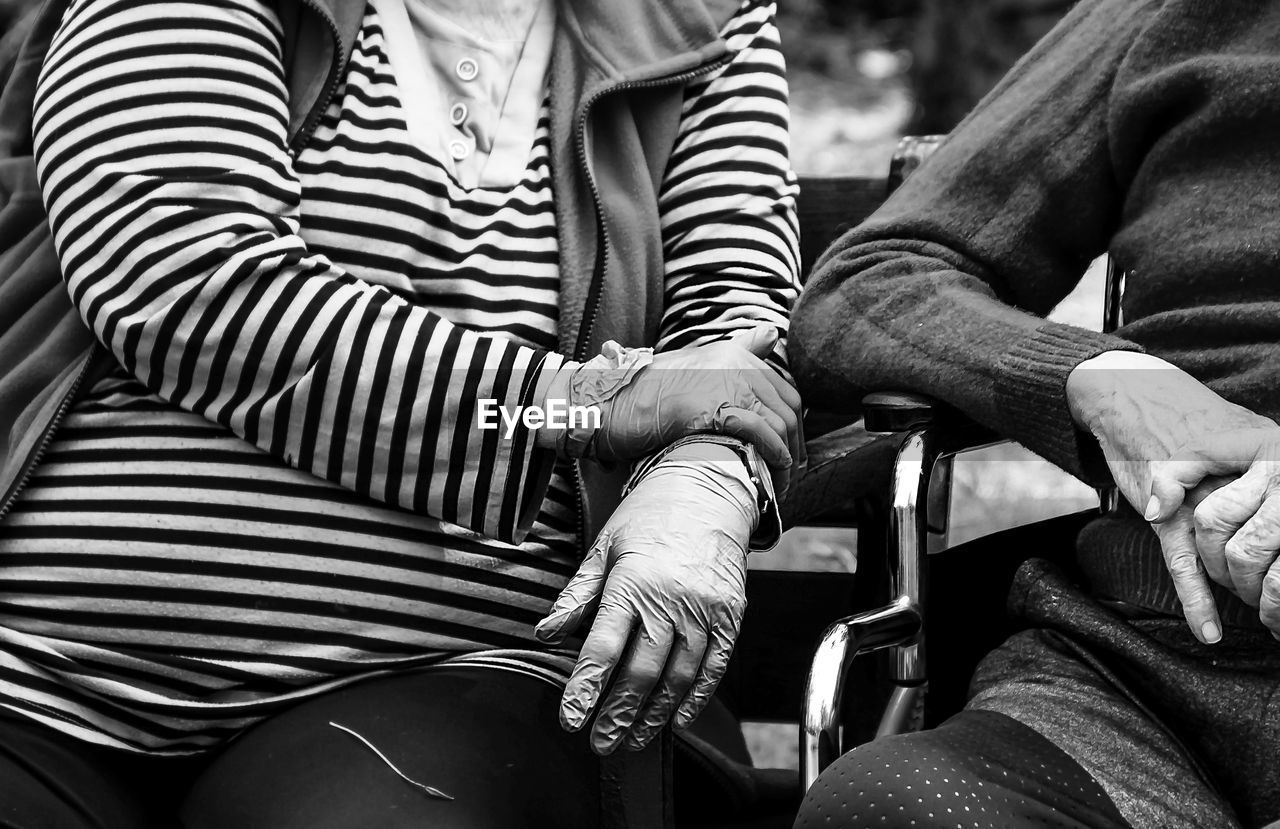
(1150, 129)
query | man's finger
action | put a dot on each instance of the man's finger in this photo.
(687, 655)
(1219, 515)
(1177, 541)
(603, 648)
(1252, 550)
(638, 674)
(1224, 453)
(1269, 602)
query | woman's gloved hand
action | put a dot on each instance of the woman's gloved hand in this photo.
(668, 573)
(648, 401)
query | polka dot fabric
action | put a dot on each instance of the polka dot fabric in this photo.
(979, 770)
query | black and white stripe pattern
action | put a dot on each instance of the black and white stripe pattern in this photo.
(160, 142)
(164, 582)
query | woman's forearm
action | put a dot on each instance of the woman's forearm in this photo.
(160, 138)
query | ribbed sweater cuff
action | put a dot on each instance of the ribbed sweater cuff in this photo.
(1032, 395)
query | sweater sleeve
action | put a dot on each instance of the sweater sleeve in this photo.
(160, 136)
(944, 290)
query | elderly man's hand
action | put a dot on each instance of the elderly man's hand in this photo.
(1237, 525)
(1203, 470)
(668, 574)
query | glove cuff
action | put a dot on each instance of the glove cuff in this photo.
(769, 526)
(596, 382)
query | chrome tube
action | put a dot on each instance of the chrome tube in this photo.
(898, 626)
(907, 536)
(899, 715)
(824, 692)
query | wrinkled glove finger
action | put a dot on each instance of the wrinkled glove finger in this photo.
(786, 391)
(638, 674)
(1252, 550)
(603, 648)
(771, 407)
(687, 655)
(719, 649)
(781, 476)
(760, 340)
(746, 425)
(578, 596)
(1177, 542)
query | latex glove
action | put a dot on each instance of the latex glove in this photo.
(668, 572)
(723, 387)
(1203, 470)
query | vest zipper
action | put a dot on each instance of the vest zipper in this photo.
(602, 248)
(331, 83)
(37, 452)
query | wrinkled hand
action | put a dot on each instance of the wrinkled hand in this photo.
(668, 572)
(723, 387)
(1174, 448)
(1237, 525)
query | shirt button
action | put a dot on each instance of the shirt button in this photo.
(459, 150)
(467, 69)
(457, 114)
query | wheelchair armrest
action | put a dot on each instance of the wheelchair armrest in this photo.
(843, 467)
(900, 411)
(856, 461)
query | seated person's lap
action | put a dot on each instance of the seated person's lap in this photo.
(979, 769)
(489, 738)
(1046, 740)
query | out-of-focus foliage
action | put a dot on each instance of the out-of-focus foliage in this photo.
(953, 50)
(961, 48)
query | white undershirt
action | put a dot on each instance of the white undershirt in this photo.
(471, 84)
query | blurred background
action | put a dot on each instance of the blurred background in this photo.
(863, 73)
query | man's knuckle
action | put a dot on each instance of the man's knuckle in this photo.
(1209, 518)
(1271, 586)
(1242, 549)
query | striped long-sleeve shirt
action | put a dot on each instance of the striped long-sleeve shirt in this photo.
(282, 488)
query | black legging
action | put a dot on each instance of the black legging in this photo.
(489, 738)
(978, 770)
